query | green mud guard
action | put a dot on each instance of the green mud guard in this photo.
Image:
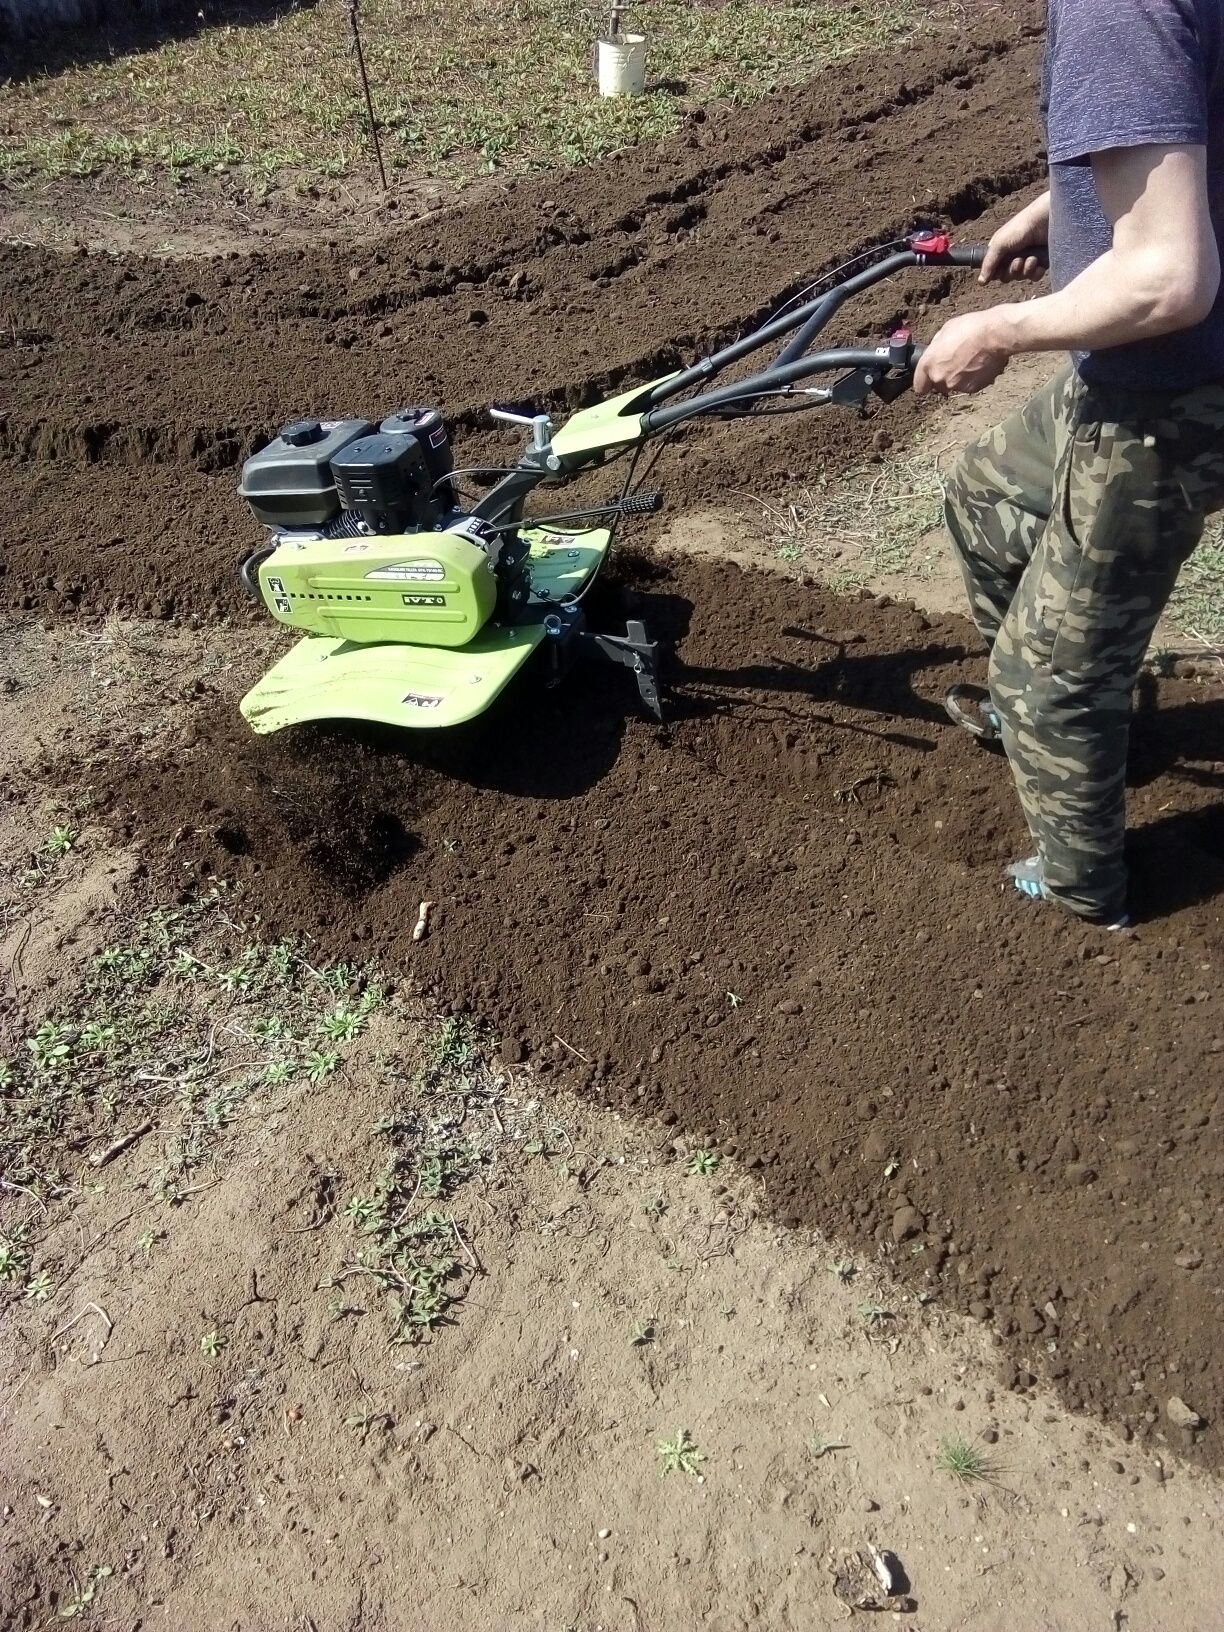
(420, 687)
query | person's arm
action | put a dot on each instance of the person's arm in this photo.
(1161, 274)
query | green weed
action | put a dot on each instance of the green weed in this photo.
(702, 1164)
(965, 1461)
(679, 1455)
(83, 1597)
(214, 1344)
(60, 841)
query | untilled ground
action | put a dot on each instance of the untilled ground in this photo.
(775, 926)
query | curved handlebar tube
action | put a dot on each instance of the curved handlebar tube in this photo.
(794, 363)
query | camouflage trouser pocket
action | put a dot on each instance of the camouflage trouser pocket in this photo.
(1119, 530)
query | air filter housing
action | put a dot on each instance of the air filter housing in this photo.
(386, 479)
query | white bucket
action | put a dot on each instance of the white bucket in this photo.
(622, 65)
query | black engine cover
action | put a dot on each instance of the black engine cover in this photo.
(386, 479)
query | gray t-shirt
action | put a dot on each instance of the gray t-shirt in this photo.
(1132, 73)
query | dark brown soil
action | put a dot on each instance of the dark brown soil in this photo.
(780, 920)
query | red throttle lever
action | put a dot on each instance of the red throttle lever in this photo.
(938, 249)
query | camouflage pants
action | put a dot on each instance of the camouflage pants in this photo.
(1071, 521)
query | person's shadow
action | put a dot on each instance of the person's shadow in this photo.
(1177, 860)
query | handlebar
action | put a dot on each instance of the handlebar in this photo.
(884, 371)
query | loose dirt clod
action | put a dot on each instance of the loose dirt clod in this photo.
(1180, 1414)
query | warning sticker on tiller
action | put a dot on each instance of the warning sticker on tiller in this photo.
(422, 699)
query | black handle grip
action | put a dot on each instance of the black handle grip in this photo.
(974, 255)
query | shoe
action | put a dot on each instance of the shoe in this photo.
(970, 707)
(1026, 877)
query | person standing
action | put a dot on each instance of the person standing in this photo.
(1072, 519)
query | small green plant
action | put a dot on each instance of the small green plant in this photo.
(243, 975)
(964, 1460)
(98, 1037)
(818, 1446)
(702, 1163)
(213, 1344)
(655, 1206)
(14, 1256)
(149, 1240)
(455, 1048)
(8, 1076)
(843, 1269)
(50, 1047)
(39, 1287)
(874, 1314)
(678, 1455)
(279, 1071)
(271, 1028)
(366, 1212)
(340, 976)
(643, 1333)
(342, 1024)
(362, 1421)
(60, 841)
(435, 1171)
(84, 1596)
(321, 1064)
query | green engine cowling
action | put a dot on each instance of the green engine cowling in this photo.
(422, 589)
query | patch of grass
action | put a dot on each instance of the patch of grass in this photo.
(413, 1251)
(184, 1027)
(679, 1455)
(1197, 604)
(964, 1461)
(493, 88)
(856, 528)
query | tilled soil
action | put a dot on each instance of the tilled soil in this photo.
(778, 921)
(134, 387)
